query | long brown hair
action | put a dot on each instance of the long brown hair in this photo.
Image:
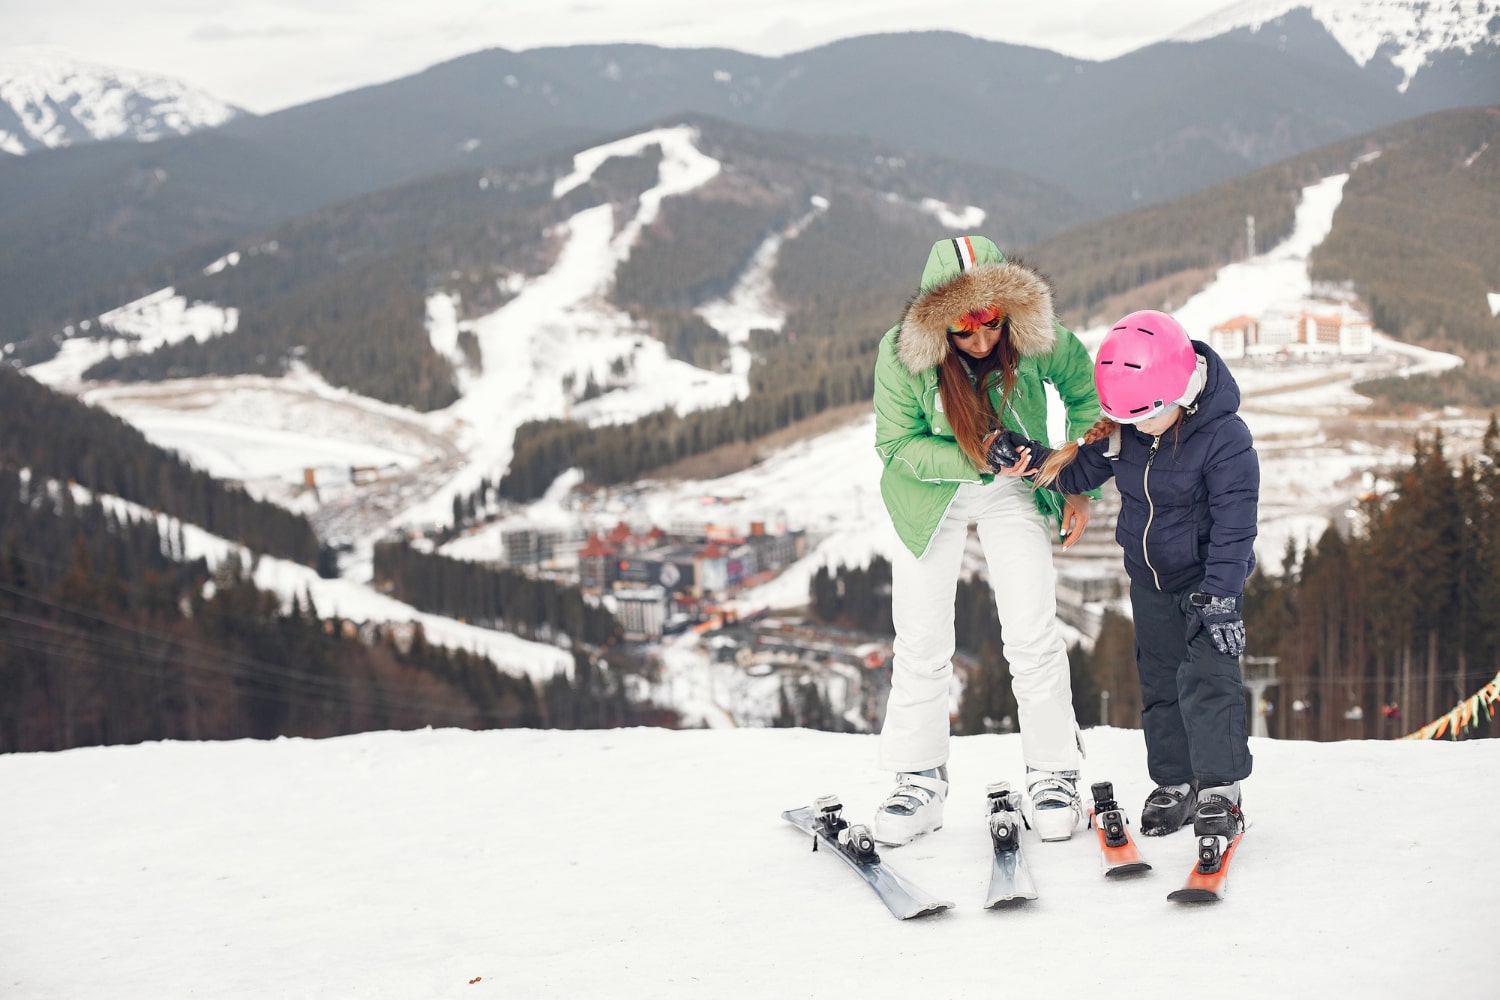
(970, 412)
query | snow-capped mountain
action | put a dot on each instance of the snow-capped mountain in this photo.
(1408, 33)
(48, 99)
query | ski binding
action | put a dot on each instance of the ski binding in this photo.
(1010, 878)
(855, 846)
(1119, 854)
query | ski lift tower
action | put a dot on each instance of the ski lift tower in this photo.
(1259, 673)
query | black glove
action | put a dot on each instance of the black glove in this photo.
(1221, 616)
(1005, 450)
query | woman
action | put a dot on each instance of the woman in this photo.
(969, 356)
(1189, 481)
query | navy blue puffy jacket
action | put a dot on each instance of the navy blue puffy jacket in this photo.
(1188, 498)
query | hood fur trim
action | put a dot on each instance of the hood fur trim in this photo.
(1021, 292)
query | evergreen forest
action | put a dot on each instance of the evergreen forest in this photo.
(56, 436)
(110, 632)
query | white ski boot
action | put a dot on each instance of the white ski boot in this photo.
(1056, 809)
(913, 808)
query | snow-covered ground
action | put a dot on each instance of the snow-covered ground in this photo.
(647, 863)
(150, 322)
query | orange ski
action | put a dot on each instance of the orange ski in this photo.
(1209, 878)
(1117, 848)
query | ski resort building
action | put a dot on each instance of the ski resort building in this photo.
(642, 611)
(1314, 329)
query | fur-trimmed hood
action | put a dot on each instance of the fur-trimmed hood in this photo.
(969, 274)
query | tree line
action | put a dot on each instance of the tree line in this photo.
(59, 437)
(1414, 234)
(494, 598)
(845, 281)
(110, 636)
(1380, 632)
(344, 289)
(851, 271)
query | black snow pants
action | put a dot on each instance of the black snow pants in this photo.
(1192, 696)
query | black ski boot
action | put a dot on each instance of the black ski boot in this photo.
(1218, 813)
(1169, 809)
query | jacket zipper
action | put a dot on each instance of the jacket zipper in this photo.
(1151, 510)
(1030, 484)
(948, 507)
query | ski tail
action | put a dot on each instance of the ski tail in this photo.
(1209, 879)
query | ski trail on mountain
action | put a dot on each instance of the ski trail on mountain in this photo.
(561, 328)
(752, 303)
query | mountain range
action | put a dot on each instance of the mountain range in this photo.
(1148, 127)
(50, 100)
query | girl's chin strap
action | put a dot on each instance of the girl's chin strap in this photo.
(1196, 383)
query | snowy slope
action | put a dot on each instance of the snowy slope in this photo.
(344, 598)
(645, 863)
(561, 327)
(55, 100)
(1409, 32)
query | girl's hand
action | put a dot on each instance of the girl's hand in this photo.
(1021, 468)
(997, 466)
(1075, 519)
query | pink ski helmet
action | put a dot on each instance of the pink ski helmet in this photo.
(1145, 364)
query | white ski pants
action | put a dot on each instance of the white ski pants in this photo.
(1017, 544)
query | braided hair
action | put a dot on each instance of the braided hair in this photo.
(1062, 456)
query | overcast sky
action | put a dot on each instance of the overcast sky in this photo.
(268, 54)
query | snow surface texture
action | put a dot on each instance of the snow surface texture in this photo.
(1408, 31)
(647, 863)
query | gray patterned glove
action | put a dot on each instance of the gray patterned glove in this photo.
(1221, 616)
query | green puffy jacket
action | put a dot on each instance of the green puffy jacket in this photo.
(924, 465)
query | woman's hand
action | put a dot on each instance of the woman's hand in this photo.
(1075, 518)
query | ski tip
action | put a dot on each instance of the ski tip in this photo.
(927, 909)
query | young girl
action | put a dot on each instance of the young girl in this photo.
(1189, 483)
(970, 354)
